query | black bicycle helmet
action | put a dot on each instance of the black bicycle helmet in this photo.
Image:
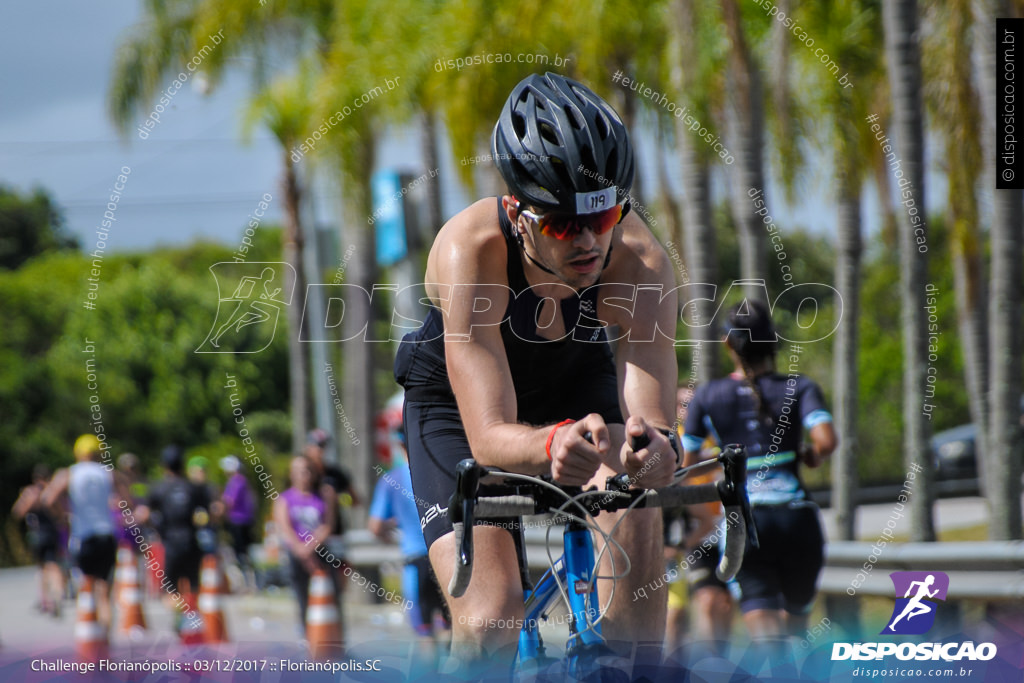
(556, 141)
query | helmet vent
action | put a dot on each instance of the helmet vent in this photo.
(564, 179)
(612, 163)
(518, 125)
(548, 133)
(587, 159)
(574, 118)
(602, 127)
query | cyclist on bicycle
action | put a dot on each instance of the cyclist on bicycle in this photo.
(767, 412)
(515, 347)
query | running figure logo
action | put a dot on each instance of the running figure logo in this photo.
(257, 297)
(914, 613)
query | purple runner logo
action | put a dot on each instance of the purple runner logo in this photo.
(914, 613)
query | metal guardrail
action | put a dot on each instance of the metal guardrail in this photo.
(981, 570)
(364, 550)
(888, 493)
(978, 570)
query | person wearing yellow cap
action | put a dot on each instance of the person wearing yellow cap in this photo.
(93, 492)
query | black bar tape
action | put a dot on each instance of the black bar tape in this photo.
(460, 578)
(735, 544)
(505, 506)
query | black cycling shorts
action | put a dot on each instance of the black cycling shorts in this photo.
(96, 556)
(182, 562)
(701, 572)
(783, 572)
(437, 442)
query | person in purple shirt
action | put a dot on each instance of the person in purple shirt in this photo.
(239, 506)
(304, 522)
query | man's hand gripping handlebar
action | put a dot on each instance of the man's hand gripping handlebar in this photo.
(464, 506)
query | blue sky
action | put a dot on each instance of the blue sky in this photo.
(193, 177)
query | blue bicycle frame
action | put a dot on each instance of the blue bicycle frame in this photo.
(574, 570)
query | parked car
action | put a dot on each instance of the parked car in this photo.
(954, 454)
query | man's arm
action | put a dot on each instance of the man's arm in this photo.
(29, 496)
(645, 355)
(330, 497)
(56, 488)
(380, 522)
(471, 257)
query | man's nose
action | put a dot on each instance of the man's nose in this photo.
(584, 239)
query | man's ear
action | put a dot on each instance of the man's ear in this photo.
(511, 209)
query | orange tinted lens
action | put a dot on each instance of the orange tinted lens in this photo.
(565, 227)
(602, 222)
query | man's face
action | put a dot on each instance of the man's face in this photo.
(577, 261)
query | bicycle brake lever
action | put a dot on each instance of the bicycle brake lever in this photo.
(461, 504)
(734, 488)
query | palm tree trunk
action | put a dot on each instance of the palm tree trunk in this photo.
(673, 230)
(904, 61)
(1005, 366)
(298, 377)
(969, 283)
(746, 127)
(432, 160)
(701, 257)
(844, 467)
(698, 227)
(962, 129)
(1003, 459)
(359, 392)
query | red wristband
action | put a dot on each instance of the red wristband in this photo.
(551, 436)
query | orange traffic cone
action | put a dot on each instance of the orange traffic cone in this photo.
(129, 594)
(211, 601)
(90, 636)
(323, 628)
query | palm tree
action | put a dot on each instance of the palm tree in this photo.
(1003, 459)
(954, 99)
(849, 30)
(746, 126)
(284, 109)
(691, 72)
(172, 35)
(904, 62)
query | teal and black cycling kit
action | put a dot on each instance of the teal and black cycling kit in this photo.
(554, 380)
(781, 574)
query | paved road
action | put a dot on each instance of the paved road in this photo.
(262, 626)
(265, 624)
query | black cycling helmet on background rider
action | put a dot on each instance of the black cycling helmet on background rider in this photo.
(556, 138)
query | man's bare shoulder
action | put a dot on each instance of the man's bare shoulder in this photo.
(470, 245)
(637, 256)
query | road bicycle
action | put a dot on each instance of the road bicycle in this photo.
(572, 576)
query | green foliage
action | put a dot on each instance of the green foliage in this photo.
(880, 439)
(137, 350)
(879, 432)
(30, 225)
